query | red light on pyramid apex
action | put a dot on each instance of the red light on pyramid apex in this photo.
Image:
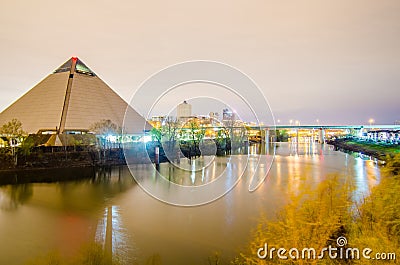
(74, 64)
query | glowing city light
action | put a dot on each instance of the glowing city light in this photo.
(111, 138)
(371, 121)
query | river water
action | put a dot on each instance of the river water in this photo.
(39, 218)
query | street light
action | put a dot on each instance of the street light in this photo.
(371, 121)
(290, 121)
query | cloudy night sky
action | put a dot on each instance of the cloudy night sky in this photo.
(336, 61)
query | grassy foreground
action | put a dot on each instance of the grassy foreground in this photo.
(317, 217)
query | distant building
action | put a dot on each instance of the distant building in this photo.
(228, 115)
(184, 111)
(214, 115)
(214, 118)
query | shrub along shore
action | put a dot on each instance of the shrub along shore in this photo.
(381, 151)
(317, 217)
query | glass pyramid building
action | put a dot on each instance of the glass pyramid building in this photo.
(72, 98)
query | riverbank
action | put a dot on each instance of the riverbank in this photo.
(57, 163)
(47, 175)
(377, 150)
(47, 158)
(55, 157)
(53, 164)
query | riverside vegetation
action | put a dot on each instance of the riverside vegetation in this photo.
(317, 217)
(379, 150)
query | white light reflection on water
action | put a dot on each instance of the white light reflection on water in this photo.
(367, 175)
(119, 241)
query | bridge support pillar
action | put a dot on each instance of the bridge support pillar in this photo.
(321, 139)
(266, 140)
(266, 136)
(357, 132)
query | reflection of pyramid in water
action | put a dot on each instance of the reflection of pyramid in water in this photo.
(71, 98)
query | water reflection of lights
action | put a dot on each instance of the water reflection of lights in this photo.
(367, 175)
(278, 170)
(214, 168)
(193, 171)
(294, 176)
(114, 237)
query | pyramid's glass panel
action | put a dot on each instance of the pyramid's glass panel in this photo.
(83, 69)
(80, 67)
(64, 68)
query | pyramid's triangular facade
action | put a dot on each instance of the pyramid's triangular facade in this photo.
(71, 98)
